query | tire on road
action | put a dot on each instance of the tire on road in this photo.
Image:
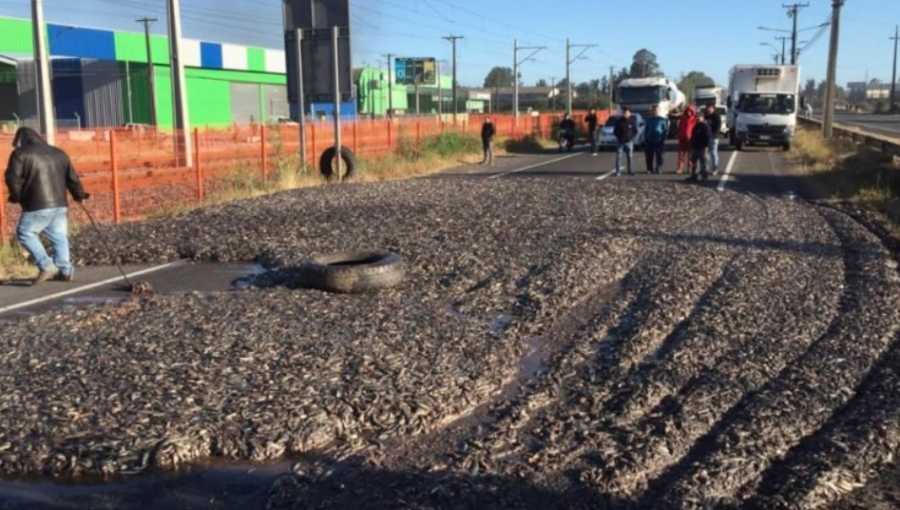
(786, 147)
(353, 272)
(326, 163)
(739, 146)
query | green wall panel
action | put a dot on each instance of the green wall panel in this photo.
(209, 102)
(164, 112)
(256, 59)
(240, 76)
(133, 47)
(15, 36)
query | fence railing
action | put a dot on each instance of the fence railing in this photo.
(860, 136)
(135, 172)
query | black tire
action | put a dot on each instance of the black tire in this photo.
(353, 272)
(739, 146)
(327, 160)
(786, 147)
(732, 139)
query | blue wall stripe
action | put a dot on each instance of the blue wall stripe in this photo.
(81, 42)
(68, 89)
(211, 55)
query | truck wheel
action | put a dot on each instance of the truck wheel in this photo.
(786, 147)
(731, 139)
(739, 146)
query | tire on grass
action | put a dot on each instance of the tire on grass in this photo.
(327, 160)
(353, 272)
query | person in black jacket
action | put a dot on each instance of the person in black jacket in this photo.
(567, 128)
(626, 131)
(38, 177)
(700, 141)
(715, 126)
(593, 123)
(488, 132)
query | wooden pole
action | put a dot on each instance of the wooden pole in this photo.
(114, 164)
(197, 166)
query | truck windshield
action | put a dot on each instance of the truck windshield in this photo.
(642, 95)
(772, 104)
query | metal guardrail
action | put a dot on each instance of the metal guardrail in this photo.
(860, 136)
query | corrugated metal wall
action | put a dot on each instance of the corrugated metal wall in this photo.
(103, 93)
(245, 103)
(276, 101)
(27, 86)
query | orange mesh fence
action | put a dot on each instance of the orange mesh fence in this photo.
(136, 173)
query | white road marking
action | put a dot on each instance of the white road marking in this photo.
(536, 165)
(724, 180)
(92, 286)
(607, 175)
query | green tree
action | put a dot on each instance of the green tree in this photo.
(645, 65)
(542, 83)
(691, 81)
(499, 77)
(809, 91)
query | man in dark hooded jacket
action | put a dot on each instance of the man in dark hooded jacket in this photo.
(37, 177)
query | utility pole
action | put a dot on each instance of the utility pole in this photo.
(831, 82)
(182, 120)
(46, 114)
(783, 48)
(453, 39)
(553, 93)
(569, 60)
(151, 75)
(390, 59)
(338, 154)
(794, 12)
(516, 63)
(612, 87)
(896, 38)
(440, 89)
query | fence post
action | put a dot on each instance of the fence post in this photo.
(197, 162)
(312, 132)
(263, 153)
(3, 232)
(114, 164)
(390, 135)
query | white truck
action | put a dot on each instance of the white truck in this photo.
(763, 101)
(707, 94)
(640, 94)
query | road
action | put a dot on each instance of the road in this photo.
(886, 125)
(743, 356)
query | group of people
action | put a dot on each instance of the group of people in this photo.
(698, 141)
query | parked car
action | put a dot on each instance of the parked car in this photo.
(608, 137)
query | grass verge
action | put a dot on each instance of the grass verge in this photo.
(851, 173)
(14, 264)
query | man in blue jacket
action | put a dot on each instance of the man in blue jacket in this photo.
(655, 133)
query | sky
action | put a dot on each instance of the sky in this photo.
(703, 35)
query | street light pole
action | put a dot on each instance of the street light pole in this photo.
(47, 117)
(453, 39)
(569, 60)
(516, 63)
(390, 69)
(794, 12)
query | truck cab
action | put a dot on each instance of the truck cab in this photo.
(763, 104)
(641, 94)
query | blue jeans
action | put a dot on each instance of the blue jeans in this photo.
(55, 224)
(628, 149)
(714, 152)
(655, 153)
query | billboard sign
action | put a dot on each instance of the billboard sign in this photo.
(409, 71)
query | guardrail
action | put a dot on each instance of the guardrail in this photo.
(860, 136)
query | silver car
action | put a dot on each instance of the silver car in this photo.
(608, 136)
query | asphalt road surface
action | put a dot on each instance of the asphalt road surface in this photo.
(772, 351)
(886, 125)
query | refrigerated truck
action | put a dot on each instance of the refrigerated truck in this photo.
(763, 102)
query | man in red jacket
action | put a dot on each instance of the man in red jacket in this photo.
(685, 131)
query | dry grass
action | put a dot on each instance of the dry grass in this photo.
(14, 264)
(851, 173)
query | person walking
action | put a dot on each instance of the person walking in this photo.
(700, 143)
(488, 132)
(685, 130)
(655, 133)
(593, 123)
(714, 120)
(567, 133)
(626, 130)
(37, 177)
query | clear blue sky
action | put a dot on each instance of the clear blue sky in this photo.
(706, 35)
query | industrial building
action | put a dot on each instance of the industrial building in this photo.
(101, 78)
